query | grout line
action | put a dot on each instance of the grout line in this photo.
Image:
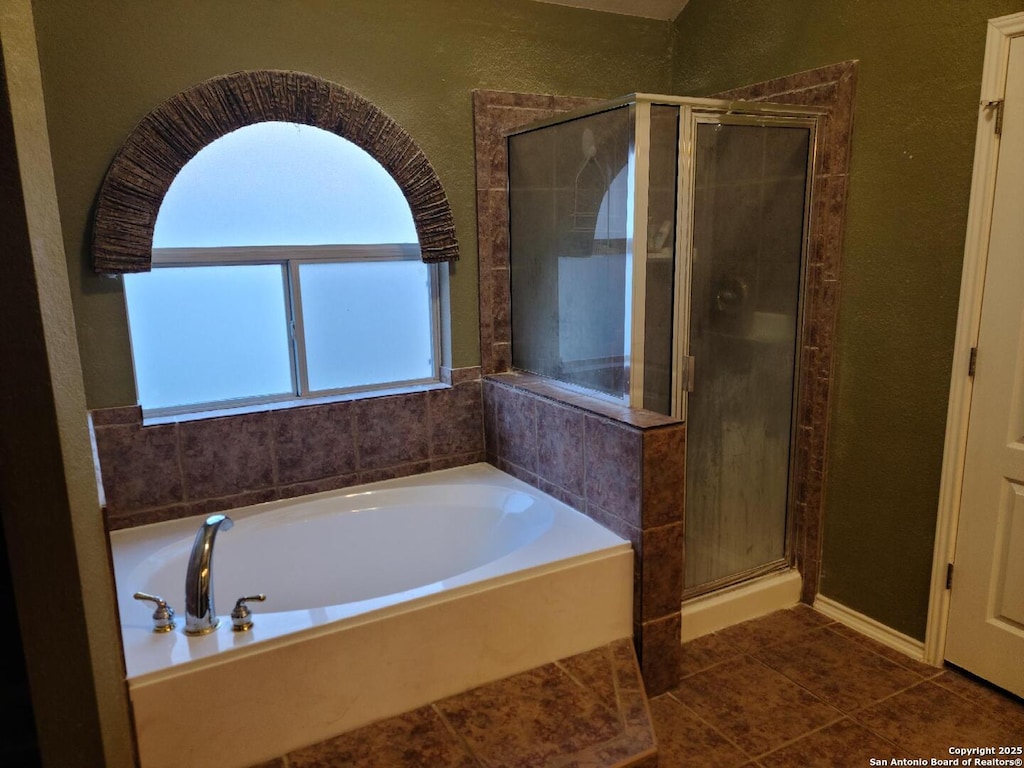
(710, 725)
(860, 639)
(822, 728)
(458, 736)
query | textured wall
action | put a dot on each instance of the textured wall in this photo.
(919, 75)
(106, 63)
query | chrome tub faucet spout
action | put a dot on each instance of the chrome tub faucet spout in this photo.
(200, 616)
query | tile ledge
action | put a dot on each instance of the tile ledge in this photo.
(639, 418)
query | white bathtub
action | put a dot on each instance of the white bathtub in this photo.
(380, 599)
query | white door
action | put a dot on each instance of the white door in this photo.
(985, 630)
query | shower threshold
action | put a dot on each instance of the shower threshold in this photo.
(749, 600)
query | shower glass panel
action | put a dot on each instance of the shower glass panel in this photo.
(656, 258)
(570, 188)
(750, 188)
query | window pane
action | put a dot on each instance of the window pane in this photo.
(366, 323)
(280, 183)
(207, 334)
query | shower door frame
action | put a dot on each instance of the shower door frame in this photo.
(694, 111)
(773, 116)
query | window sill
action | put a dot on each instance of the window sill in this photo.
(296, 402)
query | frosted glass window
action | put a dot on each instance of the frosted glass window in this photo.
(280, 183)
(366, 323)
(209, 334)
(286, 264)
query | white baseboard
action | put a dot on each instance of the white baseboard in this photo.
(865, 625)
(709, 613)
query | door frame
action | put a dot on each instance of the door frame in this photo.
(979, 224)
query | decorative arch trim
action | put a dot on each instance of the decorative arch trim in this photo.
(172, 134)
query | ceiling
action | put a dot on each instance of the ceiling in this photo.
(666, 10)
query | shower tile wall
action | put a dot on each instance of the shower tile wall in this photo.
(620, 467)
(832, 87)
(169, 471)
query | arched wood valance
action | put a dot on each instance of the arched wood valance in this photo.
(172, 134)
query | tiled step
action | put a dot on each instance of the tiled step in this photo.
(586, 711)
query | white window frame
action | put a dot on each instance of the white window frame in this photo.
(290, 258)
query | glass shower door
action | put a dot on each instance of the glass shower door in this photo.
(749, 201)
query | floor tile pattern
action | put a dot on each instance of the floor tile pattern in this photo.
(796, 689)
(790, 689)
(586, 711)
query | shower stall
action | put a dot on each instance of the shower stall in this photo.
(657, 252)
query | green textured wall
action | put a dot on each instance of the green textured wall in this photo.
(918, 85)
(106, 63)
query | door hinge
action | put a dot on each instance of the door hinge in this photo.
(972, 364)
(949, 576)
(997, 105)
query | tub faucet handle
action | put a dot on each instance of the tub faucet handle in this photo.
(163, 615)
(241, 616)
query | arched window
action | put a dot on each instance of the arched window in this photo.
(285, 264)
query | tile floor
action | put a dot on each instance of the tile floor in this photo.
(790, 689)
(585, 711)
(796, 689)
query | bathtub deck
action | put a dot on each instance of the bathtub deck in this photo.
(586, 711)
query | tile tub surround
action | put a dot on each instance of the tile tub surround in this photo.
(620, 466)
(170, 471)
(586, 710)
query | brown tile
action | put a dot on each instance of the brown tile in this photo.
(500, 357)
(530, 719)
(744, 699)
(974, 689)
(517, 427)
(106, 417)
(928, 719)
(139, 466)
(457, 460)
(222, 503)
(634, 417)
(659, 654)
(560, 445)
(456, 420)
(226, 456)
(390, 473)
(840, 744)
(662, 572)
(703, 652)
(664, 491)
(685, 740)
(464, 375)
(117, 521)
(574, 501)
(314, 442)
(392, 431)
(788, 625)
(500, 306)
(897, 657)
(837, 669)
(416, 739)
(594, 671)
(613, 468)
(317, 486)
(492, 226)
